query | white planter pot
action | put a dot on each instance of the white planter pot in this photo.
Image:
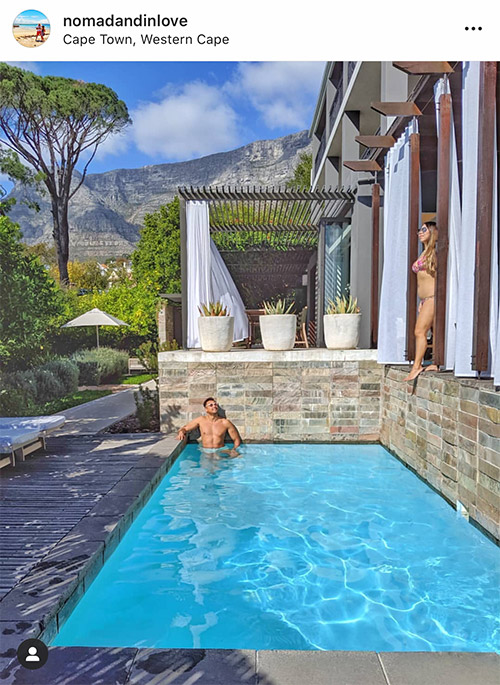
(216, 333)
(278, 331)
(341, 331)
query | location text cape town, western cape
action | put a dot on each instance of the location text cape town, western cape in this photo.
(145, 39)
(138, 21)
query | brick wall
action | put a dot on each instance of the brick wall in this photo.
(448, 430)
(306, 395)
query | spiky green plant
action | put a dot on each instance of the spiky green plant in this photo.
(343, 305)
(278, 307)
(213, 309)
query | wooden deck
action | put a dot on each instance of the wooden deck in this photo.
(62, 512)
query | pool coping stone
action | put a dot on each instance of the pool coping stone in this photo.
(286, 667)
(441, 668)
(133, 666)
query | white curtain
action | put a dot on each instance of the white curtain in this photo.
(393, 292)
(454, 230)
(224, 289)
(467, 249)
(208, 279)
(467, 246)
(198, 265)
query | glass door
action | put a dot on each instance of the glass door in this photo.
(334, 267)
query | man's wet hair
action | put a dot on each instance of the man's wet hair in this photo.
(209, 399)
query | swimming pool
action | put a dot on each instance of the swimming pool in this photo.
(295, 547)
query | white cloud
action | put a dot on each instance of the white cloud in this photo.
(27, 66)
(193, 121)
(284, 93)
(114, 144)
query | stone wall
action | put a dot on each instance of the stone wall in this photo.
(448, 430)
(300, 395)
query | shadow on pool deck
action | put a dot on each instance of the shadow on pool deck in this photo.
(62, 514)
(130, 666)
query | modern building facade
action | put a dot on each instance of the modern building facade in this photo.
(363, 110)
(343, 111)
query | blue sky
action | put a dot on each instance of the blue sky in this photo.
(30, 17)
(185, 110)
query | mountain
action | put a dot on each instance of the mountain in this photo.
(106, 213)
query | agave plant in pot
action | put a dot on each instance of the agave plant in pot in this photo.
(216, 327)
(278, 325)
(342, 323)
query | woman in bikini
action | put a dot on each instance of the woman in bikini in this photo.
(425, 269)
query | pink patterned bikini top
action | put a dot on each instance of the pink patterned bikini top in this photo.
(419, 265)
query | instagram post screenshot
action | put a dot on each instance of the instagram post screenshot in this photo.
(249, 343)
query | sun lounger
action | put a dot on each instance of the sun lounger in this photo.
(21, 435)
(40, 423)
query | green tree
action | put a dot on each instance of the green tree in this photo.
(53, 123)
(87, 275)
(302, 174)
(134, 303)
(46, 253)
(31, 301)
(12, 167)
(158, 253)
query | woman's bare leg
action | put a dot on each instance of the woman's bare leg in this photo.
(422, 326)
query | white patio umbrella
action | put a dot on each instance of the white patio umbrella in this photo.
(95, 317)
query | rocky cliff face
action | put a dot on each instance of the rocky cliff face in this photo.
(107, 211)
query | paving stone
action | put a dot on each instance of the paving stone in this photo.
(128, 487)
(97, 527)
(286, 667)
(51, 582)
(441, 668)
(187, 666)
(151, 461)
(113, 505)
(141, 475)
(12, 633)
(74, 666)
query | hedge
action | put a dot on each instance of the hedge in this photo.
(103, 365)
(23, 390)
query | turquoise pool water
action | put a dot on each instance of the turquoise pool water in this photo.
(295, 547)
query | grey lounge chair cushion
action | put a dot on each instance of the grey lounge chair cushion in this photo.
(36, 423)
(13, 439)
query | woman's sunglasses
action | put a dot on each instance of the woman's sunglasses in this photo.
(424, 229)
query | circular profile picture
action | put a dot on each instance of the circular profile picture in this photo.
(31, 28)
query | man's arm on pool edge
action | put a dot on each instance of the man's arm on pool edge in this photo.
(191, 425)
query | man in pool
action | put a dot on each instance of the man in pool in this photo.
(213, 430)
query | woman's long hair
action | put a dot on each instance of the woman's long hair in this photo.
(429, 254)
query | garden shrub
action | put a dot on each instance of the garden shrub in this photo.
(24, 382)
(14, 401)
(48, 385)
(147, 406)
(88, 372)
(67, 372)
(24, 390)
(111, 365)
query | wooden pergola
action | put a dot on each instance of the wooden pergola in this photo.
(266, 235)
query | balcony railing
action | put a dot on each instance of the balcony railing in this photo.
(351, 66)
(335, 108)
(320, 153)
